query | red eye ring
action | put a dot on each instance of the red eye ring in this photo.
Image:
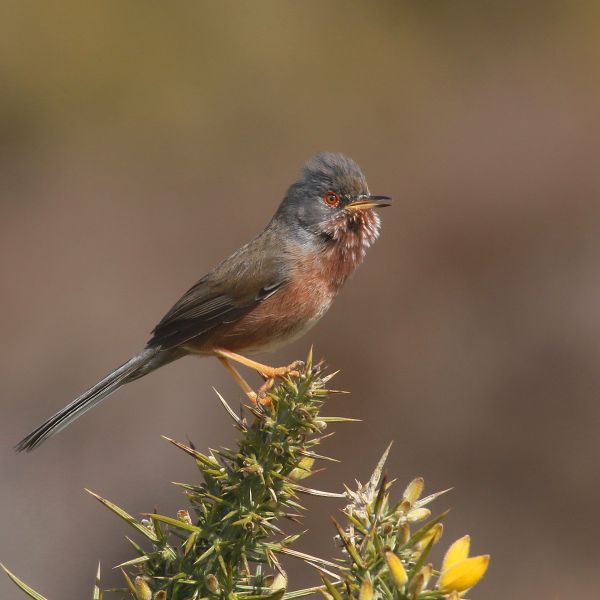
(331, 199)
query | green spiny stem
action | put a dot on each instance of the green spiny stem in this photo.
(242, 495)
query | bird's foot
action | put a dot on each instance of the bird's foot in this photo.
(270, 374)
(262, 396)
(291, 370)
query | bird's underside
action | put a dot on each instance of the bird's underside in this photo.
(225, 325)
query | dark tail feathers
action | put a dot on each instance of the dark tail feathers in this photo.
(141, 364)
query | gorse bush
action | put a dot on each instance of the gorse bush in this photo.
(228, 543)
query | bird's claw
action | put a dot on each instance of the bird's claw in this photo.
(270, 374)
(291, 370)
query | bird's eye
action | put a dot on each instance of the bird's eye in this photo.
(331, 199)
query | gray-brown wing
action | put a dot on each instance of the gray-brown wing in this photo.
(201, 309)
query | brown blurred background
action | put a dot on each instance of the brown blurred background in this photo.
(142, 142)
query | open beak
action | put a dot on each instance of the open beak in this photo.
(367, 201)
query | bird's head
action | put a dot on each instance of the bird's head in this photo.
(331, 200)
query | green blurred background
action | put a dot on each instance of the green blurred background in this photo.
(141, 142)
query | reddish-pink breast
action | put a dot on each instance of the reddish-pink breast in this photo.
(316, 278)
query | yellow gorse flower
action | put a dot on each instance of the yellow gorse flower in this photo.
(414, 490)
(303, 470)
(459, 550)
(434, 534)
(142, 590)
(459, 572)
(366, 590)
(397, 569)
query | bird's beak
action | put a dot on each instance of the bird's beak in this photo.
(366, 201)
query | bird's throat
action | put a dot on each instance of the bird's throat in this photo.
(346, 240)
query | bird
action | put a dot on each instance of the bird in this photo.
(266, 294)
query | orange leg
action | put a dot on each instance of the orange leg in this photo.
(265, 370)
(238, 379)
(269, 373)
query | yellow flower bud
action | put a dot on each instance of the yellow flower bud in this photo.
(413, 490)
(403, 533)
(303, 469)
(279, 583)
(366, 590)
(212, 583)
(464, 574)
(142, 589)
(417, 584)
(418, 514)
(458, 551)
(397, 569)
(427, 572)
(435, 533)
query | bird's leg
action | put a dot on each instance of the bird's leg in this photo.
(239, 379)
(265, 370)
(261, 395)
(268, 372)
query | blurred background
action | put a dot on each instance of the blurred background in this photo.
(140, 143)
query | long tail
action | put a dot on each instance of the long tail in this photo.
(137, 366)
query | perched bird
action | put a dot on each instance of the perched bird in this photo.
(267, 293)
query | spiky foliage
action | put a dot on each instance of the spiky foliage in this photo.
(385, 558)
(226, 544)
